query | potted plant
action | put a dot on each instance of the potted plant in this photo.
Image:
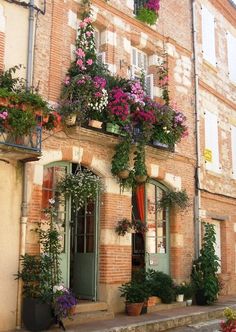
(205, 278)
(135, 294)
(148, 13)
(172, 198)
(123, 226)
(80, 187)
(120, 162)
(188, 293)
(161, 285)
(179, 291)
(39, 274)
(64, 302)
(140, 170)
(230, 322)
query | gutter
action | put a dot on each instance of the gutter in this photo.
(24, 205)
(197, 203)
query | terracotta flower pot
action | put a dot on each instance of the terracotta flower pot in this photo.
(95, 124)
(141, 178)
(134, 309)
(123, 174)
(70, 120)
(72, 310)
(152, 300)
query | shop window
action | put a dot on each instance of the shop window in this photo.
(208, 36)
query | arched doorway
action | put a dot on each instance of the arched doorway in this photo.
(151, 250)
(79, 230)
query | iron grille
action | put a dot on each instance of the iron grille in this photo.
(138, 4)
(31, 142)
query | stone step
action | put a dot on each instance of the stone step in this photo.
(84, 306)
(84, 317)
(163, 306)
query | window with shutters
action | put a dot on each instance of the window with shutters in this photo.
(233, 148)
(139, 67)
(97, 39)
(211, 152)
(208, 36)
(231, 49)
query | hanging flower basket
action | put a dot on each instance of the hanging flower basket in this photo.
(80, 187)
(123, 174)
(70, 120)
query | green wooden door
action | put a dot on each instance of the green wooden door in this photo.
(52, 174)
(157, 237)
(84, 251)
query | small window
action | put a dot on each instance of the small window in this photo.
(138, 4)
(231, 48)
(233, 148)
(208, 36)
(211, 142)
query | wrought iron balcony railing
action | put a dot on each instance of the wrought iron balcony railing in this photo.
(31, 142)
(138, 4)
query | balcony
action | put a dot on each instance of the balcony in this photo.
(26, 147)
(138, 4)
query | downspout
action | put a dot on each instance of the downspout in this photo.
(197, 205)
(24, 206)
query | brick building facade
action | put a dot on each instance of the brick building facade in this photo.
(196, 90)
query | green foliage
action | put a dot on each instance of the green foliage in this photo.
(134, 292)
(120, 160)
(21, 122)
(80, 187)
(204, 271)
(139, 160)
(41, 272)
(162, 285)
(147, 16)
(171, 198)
(9, 81)
(157, 283)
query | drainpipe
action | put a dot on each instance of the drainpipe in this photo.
(30, 46)
(24, 207)
(197, 205)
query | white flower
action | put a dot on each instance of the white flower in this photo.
(51, 201)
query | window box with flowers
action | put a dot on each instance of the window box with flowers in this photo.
(147, 10)
(91, 92)
(23, 113)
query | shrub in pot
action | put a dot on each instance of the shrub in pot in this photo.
(161, 285)
(204, 275)
(135, 293)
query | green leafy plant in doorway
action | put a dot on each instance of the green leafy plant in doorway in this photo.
(205, 278)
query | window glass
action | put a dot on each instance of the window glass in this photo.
(231, 49)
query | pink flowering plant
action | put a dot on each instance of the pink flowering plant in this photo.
(148, 13)
(84, 88)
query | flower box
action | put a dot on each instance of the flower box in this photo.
(95, 124)
(113, 128)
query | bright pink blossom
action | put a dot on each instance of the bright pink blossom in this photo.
(82, 25)
(80, 62)
(80, 52)
(89, 62)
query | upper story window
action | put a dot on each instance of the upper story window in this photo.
(208, 36)
(231, 49)
(211, 152)
(138, 4)
(139, 67)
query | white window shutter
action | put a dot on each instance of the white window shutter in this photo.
(231, 49)
(132, 71)
(149, 85)
(233, 148)
(208, 36)
(211, 141)
(134, 57)
(101, 57)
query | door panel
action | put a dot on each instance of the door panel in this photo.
(52, 174)
(84, 251)
(157, 237)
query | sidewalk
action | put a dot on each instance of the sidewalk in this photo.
(158, 321)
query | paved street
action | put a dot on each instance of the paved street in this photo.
(209, 326)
